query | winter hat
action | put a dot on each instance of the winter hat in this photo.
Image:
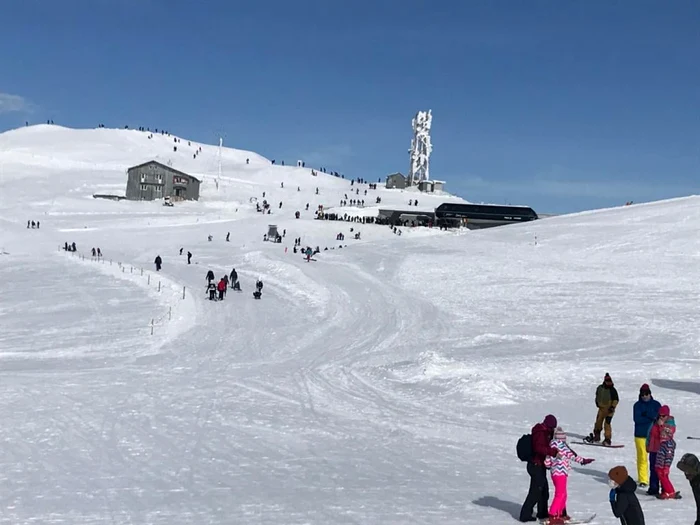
(689, 465)
(560, 434)
(550, 421)
(665, 411)
(607, 378)
(618, 474)
(645, 389)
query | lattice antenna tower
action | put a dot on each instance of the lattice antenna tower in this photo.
(421, 147)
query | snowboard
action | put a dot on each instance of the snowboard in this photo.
(572, 521)
(596, 444)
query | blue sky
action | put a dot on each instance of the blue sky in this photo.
(563, 105)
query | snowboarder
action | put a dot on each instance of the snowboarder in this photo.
(559, 470)
(606, 400)
(221, 287)
(538, 494)
(309, 252)
(159, 262)
(210, 276)
(690, 466)
(664, 459)
(228, 236)
(189, 257)
(645, 411)
(181, 250)
(623, 499)
(259, 285)
(94, 252)
(99, 253)
(234, 276)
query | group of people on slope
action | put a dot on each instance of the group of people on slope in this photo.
(654, 431)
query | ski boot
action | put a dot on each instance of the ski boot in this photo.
(669, 495)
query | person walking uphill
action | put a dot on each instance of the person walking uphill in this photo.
(606, 399)
(158, 262)
(623, 499)
(538, 493)
(645, 411)
(559, 468)
(690, 466)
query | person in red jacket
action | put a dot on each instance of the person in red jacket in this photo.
(538, 493)
(222, 289)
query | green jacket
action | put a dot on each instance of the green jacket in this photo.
(606, 397)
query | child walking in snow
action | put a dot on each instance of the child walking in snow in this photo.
(559, 468)
(664, 460)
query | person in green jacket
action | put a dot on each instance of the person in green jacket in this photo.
(606, 399)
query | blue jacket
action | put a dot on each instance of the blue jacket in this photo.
(645, 413)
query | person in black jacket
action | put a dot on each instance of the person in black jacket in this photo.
(158, 262)
(623, 499)
(690, 466)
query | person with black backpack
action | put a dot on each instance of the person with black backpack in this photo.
(534, 448)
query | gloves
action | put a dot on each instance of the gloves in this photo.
(612, 495)
(587, 461)
(611, 410)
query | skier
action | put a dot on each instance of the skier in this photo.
(559, 470)
(653, 446)
(234, 276)
(664, 460)
(623, 499)
(221, 287)
(94, 252)
(228, 236)
(189, 257)
(645, 411)
(606, 399)
(210, 276)
(690, 466)
(99, 253)
(309, 252)
(158, 261)
(181, 250)
(259, 285)
(538, 494)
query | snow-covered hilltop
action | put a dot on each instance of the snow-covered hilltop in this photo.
(386, 382)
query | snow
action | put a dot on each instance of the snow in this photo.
(387, 382)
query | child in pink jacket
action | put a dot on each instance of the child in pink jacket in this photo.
(559, 469)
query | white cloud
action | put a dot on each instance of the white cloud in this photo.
(13, 103)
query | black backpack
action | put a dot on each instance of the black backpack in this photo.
(524, 448)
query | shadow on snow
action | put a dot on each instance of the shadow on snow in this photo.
(499, 504)
(683, 386)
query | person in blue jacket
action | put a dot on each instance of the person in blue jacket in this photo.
(645, 412)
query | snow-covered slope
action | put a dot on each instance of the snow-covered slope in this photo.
(387, 382)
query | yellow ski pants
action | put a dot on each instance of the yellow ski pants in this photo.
(642, 460)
